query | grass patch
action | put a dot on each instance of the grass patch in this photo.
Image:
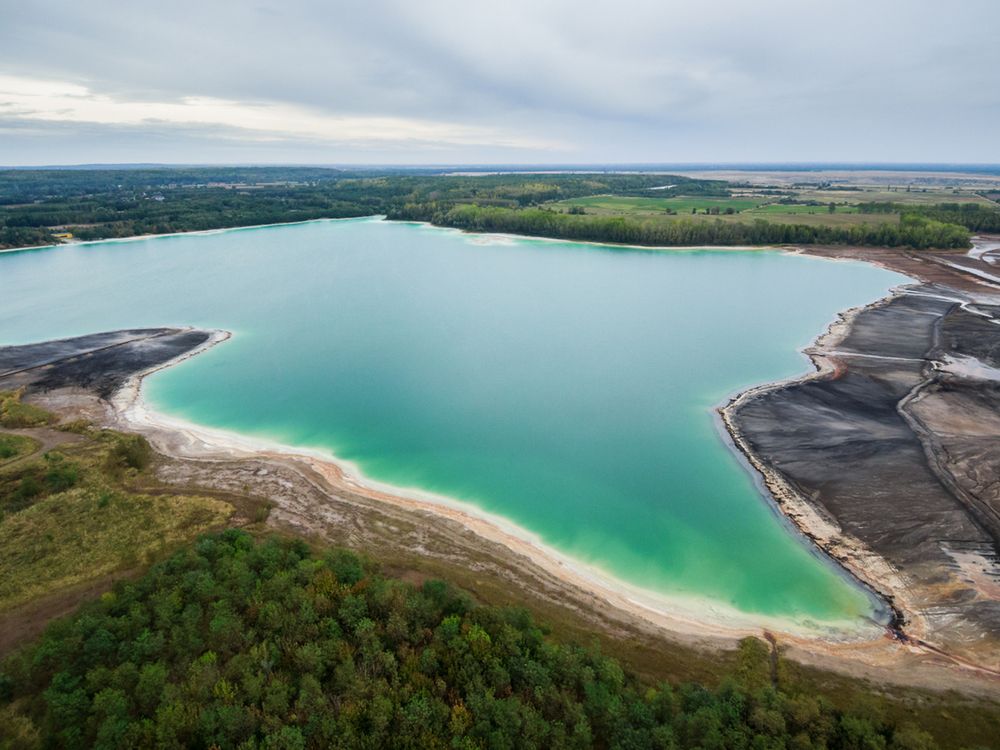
(129, 452)
(15, 413)
(86, 510)
(879, 195)
(76, 426)
(13, 447)
(802, 208)
(87, 532)
(35, 480)
(730, 210)
(623, 205)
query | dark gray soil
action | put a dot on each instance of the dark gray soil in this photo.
(877, 446)
(100, 362)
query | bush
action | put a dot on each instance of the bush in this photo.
(10, 445)
(60, 473)
(130, 451)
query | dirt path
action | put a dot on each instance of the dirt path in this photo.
(46, 438)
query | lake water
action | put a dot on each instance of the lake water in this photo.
(569, 388)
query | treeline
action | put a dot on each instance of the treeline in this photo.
(912, 230)
(28, 185)
(98, 204)
(975, 217)
(238, 644)
(190, 210)
(19, 186)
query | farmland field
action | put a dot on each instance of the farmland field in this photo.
(746, 210)
(915, 197)
(802, 208)
(819, 218)
(612, 204)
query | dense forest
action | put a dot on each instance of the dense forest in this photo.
(235, 643)
(973, 216)
(913, 230)
(97, 204)
(37, 205)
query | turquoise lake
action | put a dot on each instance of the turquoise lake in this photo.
(568, 388)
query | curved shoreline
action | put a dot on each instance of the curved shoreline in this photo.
(194, 232)
(384, 218)
(690, 616)
(865, 567)
(686, 613)
(890, 494)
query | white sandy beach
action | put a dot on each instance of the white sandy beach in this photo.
(690, 616)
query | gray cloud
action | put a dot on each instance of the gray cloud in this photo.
(522, 81)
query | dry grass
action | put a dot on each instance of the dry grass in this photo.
(83, 510)
(87, 532)
(15, 413)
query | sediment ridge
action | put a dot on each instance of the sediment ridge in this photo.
(888, 455)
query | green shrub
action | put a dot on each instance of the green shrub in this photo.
(60, 472)
(130, 451)
(13, 445)
(7, 447)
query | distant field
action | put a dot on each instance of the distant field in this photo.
(817, 219)
(629, 205)
(813, 219)
(916, 197)
(747, 210)
(797, 208)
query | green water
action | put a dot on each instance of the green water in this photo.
(568, 388)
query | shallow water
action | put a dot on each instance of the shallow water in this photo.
(568, 388)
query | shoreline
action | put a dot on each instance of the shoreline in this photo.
(684, 613)
(382, 217)
(820, 448)
(685, 616)
(217, 230)
(864, 566)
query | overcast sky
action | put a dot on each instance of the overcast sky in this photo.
(435, 81)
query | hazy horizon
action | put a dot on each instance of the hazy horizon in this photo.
(984, 168)
(447, 83)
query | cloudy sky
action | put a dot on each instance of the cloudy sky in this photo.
(436, 81)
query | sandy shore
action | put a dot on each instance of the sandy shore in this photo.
(859, 649)
(689, 616)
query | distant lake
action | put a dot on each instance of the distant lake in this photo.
(568, 388)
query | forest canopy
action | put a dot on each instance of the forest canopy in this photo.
(40, 207)
(914, 230)
(234, 643)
